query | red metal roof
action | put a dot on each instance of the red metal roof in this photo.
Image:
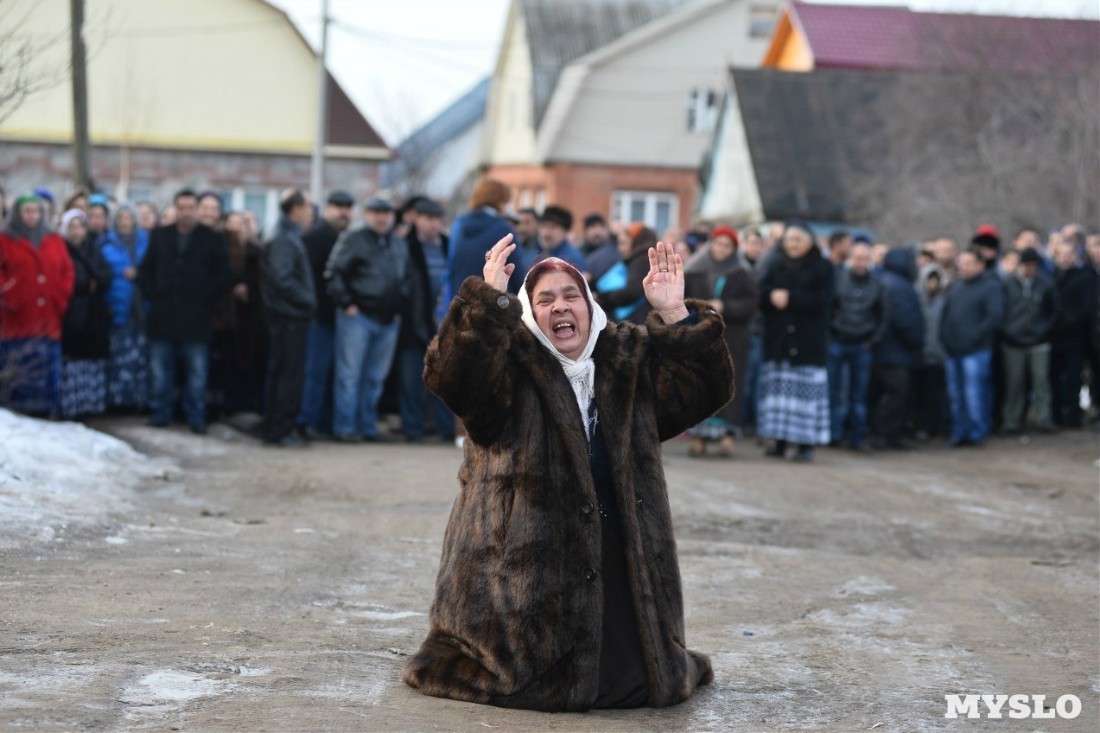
(896, 38)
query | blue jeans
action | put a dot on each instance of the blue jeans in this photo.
(162, 376)
(849, 377)
(411, 393)
(364, 353)
(967, 389)
(316, 410)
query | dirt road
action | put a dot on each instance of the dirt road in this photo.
(258, 589)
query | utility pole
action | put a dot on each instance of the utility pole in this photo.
(317, 171)
(81, 159)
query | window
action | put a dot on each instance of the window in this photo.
(658, 210)
(138, 192)
(540, 199)
(702, 110)
(525, 198)
(762, 20)
(256, 202)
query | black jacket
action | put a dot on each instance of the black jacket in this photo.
(418, 319)
(181, 287)
(902, 341)
(364, 272)
(86, 328)
(972, 313)
(286, 280)
(1077, 295)
(1030, 310)
(319, 241)
(799, 333)
(859, 314)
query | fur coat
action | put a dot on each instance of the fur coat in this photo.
(517, 616)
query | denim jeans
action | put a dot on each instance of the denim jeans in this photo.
(412, 393)
(849, 377)
(967, 389)
(364, 353)
(316, 410)
(162, 376)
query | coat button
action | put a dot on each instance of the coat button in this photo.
(41, 302)
(502, 302)
(41, 279)
(794, 352)
(586, 509)
(590, 576)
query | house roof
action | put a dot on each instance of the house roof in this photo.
(417, 147)
(882, 37)
(559, 31)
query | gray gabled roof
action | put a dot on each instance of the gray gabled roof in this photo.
(559, 31)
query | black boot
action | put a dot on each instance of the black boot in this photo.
(777, 450)
(805, 453)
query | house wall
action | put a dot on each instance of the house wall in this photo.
(510, 114)
(632, 109)
(202, 74)
(788, 50)
(730, 194)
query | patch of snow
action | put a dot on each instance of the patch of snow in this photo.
(168, 685)
(55, 474)
(387, 616)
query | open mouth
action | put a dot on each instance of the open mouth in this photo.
(564, 329)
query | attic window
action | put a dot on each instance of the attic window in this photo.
(762, 20)
(702, 110)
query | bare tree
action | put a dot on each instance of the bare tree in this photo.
(21, 48)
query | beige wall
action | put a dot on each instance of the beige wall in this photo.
(209, 74)
(632, 108)
(510, 136)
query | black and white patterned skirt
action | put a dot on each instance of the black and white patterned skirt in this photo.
(128, 368)
(83, 387)
(794, 403)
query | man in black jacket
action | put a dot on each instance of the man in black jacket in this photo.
(315, 416)
(185, 269)
(1076, 281)
(286, 285)
(856, 324)
(428, 261)
(367, 277)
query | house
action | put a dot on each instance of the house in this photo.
(607, 105)
(440, 158)
(216, 94)
(813, 36)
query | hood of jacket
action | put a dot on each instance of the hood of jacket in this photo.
(900, 261)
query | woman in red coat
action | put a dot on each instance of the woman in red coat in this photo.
(36, 282)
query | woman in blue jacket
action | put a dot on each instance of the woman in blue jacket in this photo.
(127, 369)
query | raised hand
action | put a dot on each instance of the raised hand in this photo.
(497, 270)
(664, 285)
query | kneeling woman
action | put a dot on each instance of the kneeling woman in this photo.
(558, 587)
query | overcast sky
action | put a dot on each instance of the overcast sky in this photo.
(404, 61)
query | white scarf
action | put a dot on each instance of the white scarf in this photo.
(581, 372)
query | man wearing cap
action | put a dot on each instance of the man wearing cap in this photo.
(554, 226)
(1031, 310)
(367, 274)
(315, 415)
(603, 250)
(987, 243)
(428, 262)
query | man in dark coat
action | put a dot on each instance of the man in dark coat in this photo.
(856, 323)
(184, 271)
(554, 226)
(972, 314)
(286, 284)
(1031, 309)
(428, 261)
(1076, 282)
(315, 416)
(899, 350)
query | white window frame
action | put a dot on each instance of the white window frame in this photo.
(763, 19)
(622, 202)
(702, 106)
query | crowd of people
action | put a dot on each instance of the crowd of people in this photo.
(325, 323)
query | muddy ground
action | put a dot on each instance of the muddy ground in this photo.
(258, 589)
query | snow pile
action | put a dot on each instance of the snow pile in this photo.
(56, 474)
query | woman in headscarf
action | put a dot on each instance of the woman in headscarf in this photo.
(128, 367)
(717, 275)
(628, 301)
(795, 293)
(86, 329)
(558, 587)
(36, 282)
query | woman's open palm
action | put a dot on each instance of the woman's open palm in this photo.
(664, 285)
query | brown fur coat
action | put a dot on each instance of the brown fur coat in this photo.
(517, 615)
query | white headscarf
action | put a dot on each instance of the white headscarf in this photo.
(581, 371)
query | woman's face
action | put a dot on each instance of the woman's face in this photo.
(626, 245)
(796, 243)
(124, 223)
(97, 219)
(76, 231)
(561, 312)
(722, 248)
(234, 224)
(31, 214)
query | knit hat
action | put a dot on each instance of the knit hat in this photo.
(1030, 256)
(987, 236)
(726, 232)
(68, 216)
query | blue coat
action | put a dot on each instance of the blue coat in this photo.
(120, 297)
(902, 340)
(472, 235)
